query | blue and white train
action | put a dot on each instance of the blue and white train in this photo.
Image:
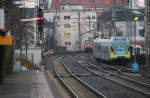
(115, 48)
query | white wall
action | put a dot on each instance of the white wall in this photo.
(36, 53)
(73, 21)
(71, 7)
(137, 4)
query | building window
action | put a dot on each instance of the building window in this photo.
(94, 26)
(66, 17)
(63, 8)
(141, 23)
(67, 43)
(93, 17)
(67, 35)
(57, 25)
(56, 17)
(92, 0)
(141, 32)
(67, 26)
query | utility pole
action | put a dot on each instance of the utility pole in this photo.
(26, 43)
(130, 21)
(135, 50)
(114, 16)
(25, 31)
(21, 37)
(127, 15)
(147, 30)
(79, 29)
(89, 24)
(35, 26)
(54, 47)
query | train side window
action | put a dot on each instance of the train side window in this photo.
(138, 50)
(99, 47)
(112, 50)
(105, 50)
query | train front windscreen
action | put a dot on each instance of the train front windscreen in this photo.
(120, 43)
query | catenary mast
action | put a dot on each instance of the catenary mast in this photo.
(147, 30)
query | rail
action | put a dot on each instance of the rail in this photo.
(143, 88)
(97, 93)
(71, 92)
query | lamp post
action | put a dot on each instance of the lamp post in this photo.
(147, 30)
(114, 16)
(130, 20)
(135, 50)
(79, 29)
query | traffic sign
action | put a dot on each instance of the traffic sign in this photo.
(27, 3)
(1, 18)
(6, 40)
(24, 6)
(20, 2)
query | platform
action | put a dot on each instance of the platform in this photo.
(29, 84)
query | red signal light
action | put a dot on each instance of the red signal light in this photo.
(40, 18)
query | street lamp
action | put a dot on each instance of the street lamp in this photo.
(135, 50)
(135, 65)
(130, 19)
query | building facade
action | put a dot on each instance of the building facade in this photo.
(73, 25)
(76, 20)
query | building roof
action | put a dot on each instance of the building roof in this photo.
(123, 15)
(87, 3)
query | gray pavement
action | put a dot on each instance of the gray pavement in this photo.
(29, 84)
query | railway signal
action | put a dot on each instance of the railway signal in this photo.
(40, 20)
(5, 38)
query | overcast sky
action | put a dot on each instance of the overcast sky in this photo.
(50, 2)
(141, 3)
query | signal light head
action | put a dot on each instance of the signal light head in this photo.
(40, 18)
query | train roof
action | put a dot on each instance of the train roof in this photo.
(98, 40)
(105, 41)
(101, 41)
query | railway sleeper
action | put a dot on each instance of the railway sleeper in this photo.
(78, 75)
(82, 75)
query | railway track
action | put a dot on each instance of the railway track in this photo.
(76, 87)
(138, 86)
(125, 70)
(108, 66)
